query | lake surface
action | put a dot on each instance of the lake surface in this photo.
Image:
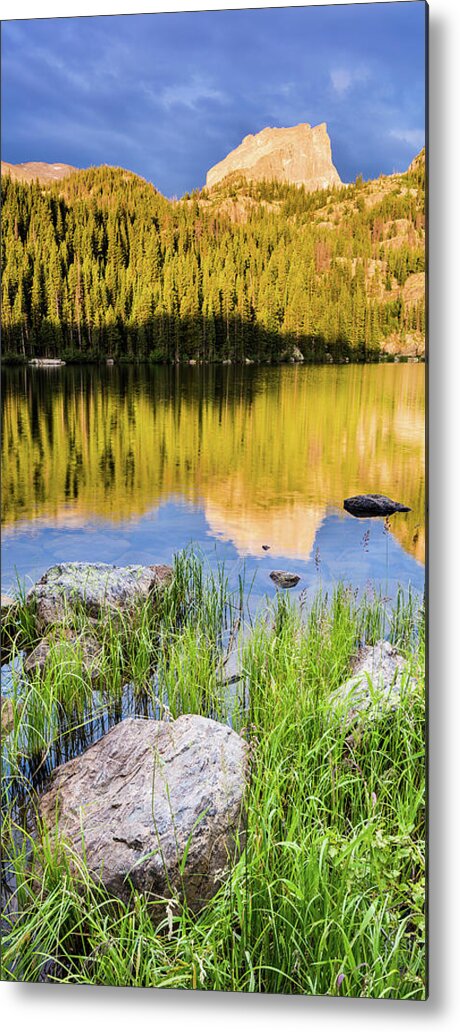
(130, 464)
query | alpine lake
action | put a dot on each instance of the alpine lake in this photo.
(249, 465)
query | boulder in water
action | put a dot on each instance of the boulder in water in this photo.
(284, 579)
(364, 506)
(95, 588)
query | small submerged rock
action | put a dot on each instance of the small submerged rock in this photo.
(365, 506)
(284, 579)
(146, 793)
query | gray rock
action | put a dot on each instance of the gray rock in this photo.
(94, 587)
(291, 355)
(9, 628)
(379, 677)
(365, 506)
(84, 649)
(297, 355)
(148, 793)
(7, 709)
(284, 579)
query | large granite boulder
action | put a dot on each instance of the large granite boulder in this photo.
(380, 675)
(94, 587)
(159, 805)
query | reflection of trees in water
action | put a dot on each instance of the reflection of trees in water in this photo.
(263, 449)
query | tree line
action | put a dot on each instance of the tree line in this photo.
(101, 264)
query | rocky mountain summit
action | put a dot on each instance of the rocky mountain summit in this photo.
(28, 171)
(300, 155)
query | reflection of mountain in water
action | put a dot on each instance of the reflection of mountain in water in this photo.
(266, 451)
(289, 530)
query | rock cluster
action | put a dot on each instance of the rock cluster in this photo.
(158, 806)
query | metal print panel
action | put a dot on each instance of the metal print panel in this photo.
(213, 620)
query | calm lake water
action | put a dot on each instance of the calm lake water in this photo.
(125, 465)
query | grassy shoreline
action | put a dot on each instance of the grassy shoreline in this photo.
(328, 895)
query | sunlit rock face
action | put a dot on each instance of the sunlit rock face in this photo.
(300, 154)
(28, 171)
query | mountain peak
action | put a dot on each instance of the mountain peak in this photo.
(300, 154)
(28, 171)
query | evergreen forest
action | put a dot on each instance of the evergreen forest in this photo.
(102, 265)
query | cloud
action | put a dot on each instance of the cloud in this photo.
(286, 89)
(190, 94)
(343, 78)
(411, 137)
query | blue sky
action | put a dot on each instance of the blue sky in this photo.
(169, 95)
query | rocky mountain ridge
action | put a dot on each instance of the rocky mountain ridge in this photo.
(28, 171)
(300, 155)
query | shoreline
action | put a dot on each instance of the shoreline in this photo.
(15, 361)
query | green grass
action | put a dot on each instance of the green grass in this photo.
(331, 882)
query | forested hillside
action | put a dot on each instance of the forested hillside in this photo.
(100, 264)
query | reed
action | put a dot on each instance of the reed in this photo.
(328, 895)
